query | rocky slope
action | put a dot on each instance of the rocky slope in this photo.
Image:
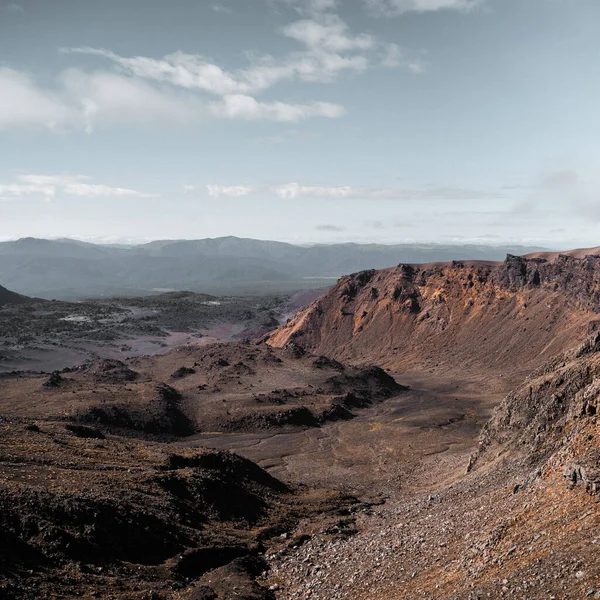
(88, 514)
(473, 316)
(521, 522)
(8, 297)
(522, 519)
(105, 493)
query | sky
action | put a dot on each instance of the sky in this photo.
(307, 121)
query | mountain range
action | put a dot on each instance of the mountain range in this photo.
(70, 269)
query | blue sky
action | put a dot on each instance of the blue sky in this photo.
(301, 120)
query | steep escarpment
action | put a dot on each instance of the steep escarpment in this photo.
(469, 315)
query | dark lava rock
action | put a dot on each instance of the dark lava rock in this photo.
(236, 580)
(323, 362)
(202, 593)
(182, 372)
(370, 382)
(197, 561)
(82, 431)
(54, 380)
(112, 371)
(162, 415)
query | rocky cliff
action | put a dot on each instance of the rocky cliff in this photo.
(473, 315)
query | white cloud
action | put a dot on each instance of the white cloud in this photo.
(24, 104)
(329, 33)
(239, 106)
(85, 101)
(221, 8)
(170, 91)
(395, 56)
(79, 101)
(50, 186)
(232, 191)
(399, 7)
(111, 98)
(188, 188)
(320, 62)
(191, 71)
(291, 191)
(330, 48)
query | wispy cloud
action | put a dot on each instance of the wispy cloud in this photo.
(329, 33)
(292, 191)
(400, 7)
(143, 91)
(333, 228)
(240, 106)
(232, 191)
(221, 8)
(50, 186)
(13, 7)
(295, 191)
(395, 56)
(330, 49)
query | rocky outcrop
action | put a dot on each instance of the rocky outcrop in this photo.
(535, 416)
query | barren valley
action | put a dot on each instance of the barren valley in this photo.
(425, 431)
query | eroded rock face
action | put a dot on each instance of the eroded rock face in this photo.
(562, 392)
(585, 471)
(471, 315)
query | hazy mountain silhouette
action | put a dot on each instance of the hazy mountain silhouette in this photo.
(69, 269)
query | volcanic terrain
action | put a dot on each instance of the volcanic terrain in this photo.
(466, 465)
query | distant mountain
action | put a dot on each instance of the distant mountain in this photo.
(8, 297)
(69, 269)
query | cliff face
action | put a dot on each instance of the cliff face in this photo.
(511, 315)
(550, 410)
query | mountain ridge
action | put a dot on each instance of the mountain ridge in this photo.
(67, 269)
